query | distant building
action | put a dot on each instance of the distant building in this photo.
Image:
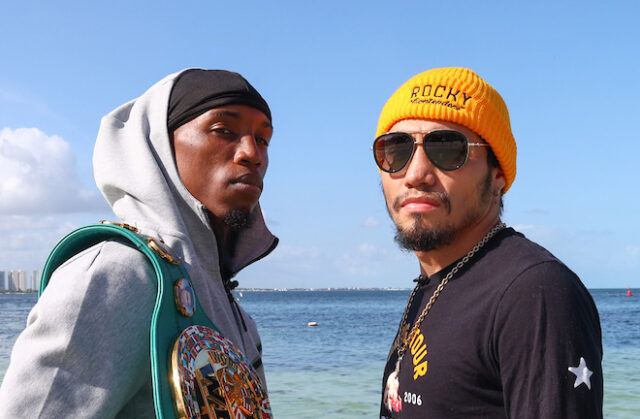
(17, 281)
(24, 281)
(12, 281)
(35, 279)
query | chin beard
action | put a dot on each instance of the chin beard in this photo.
(419, 239)
(237, 220)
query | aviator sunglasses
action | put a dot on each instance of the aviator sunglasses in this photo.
(446, 149)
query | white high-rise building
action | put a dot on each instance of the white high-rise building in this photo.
(17, 281)
(24, 281)
(35, 279)
(12, 281)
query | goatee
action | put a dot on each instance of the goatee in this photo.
(418, 238)
(237, 220)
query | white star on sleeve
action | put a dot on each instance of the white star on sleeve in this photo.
(583, 374)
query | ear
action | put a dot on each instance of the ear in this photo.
(499, 181)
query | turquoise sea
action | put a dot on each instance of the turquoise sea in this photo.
(334, 370)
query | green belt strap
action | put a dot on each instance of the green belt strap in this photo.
(166, 323)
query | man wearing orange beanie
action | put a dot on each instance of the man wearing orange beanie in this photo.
(496, 325)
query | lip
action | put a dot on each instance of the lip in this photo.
(250, 182)
(420, 204)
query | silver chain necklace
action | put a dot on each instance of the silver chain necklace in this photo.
(404, 343)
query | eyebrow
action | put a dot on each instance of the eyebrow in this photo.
(236, 115)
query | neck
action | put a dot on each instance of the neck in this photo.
(435, 260)
(224, 239)
(220, 229)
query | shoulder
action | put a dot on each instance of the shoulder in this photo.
(536, 271)
(549, 284)
(526, 275)
(109, 275)
(547, 292)
(519, 252)
(106, 292)
(112, 252)
(95, 311)
(108, 259)
(513, 260)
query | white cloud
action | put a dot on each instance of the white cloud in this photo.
(367, 248)
(633, 252)
(523, 227)
(38, 175)
(26, 240)
(296, 258)
(371, 222)
(628, 257)
(542, 234)
(370, 261)
(286, 252)
(538, 211)
(362, 264)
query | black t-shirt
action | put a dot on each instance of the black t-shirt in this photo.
(514, 334)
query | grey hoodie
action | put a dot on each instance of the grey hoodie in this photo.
(85, 350)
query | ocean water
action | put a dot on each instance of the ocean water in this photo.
(335, 369)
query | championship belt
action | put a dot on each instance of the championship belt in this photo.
(196, 372)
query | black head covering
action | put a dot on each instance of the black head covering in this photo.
(196, 91)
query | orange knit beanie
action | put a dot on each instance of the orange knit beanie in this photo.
(457, 95)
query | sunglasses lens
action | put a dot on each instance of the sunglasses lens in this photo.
(393, 151)
(446, 149)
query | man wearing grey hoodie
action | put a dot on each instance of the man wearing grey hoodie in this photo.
(183, 163)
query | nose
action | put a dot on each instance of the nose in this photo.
(419, 170)
(248, 152)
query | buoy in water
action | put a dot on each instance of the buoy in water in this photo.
(629, 293)
(312, 324)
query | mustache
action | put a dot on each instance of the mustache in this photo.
(441, 197)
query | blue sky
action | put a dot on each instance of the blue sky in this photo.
(567, 70)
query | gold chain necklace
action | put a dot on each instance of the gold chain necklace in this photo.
(404, 343)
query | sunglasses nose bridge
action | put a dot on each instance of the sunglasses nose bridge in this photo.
(418, 170)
